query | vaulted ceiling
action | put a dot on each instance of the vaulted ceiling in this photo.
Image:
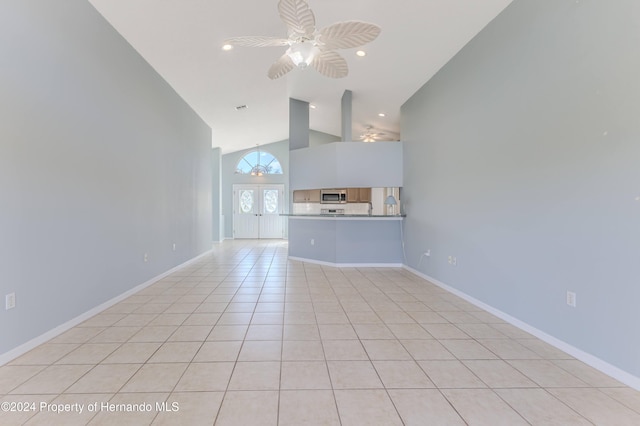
(182, 41)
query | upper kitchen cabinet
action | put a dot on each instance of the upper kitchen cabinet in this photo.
(306, 196)
(358, 195)
(347, 165)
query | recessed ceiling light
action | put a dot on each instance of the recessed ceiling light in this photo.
(382, 114)
(361, 53)
(227, 47)
(312, 106)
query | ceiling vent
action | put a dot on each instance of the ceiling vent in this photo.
(241, 107)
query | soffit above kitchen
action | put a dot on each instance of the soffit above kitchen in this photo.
(182, 40)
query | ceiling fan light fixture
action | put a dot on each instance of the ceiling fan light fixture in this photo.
(302, 54)
(309, 46)
(370, 135)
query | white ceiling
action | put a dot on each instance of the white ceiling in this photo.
(182, 40)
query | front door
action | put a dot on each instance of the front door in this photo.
(256, 211)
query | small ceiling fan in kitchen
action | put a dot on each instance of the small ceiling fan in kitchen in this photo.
(370, 135)
(308, 46)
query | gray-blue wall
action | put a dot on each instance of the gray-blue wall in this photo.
(319, 138)
(217, 231)
(100, 162)
(347, 165)
(347, 241)
(521, 159)
(298, 124)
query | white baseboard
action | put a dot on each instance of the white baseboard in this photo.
(347, 265)
(595, 362)
(26, 347)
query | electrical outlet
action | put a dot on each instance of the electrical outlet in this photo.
(174, 247)
(450, 260)
(571, 299)
(313, 242)
(146, 257)
(454, 261)
(10, 301)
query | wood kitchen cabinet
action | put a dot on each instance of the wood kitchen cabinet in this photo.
(365, 195)
(358, 195)
(314, 196)
(306, 196)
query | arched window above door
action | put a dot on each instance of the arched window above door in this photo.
(258, 163)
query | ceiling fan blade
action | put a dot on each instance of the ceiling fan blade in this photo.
(370, 134)
(330, 64)
(257, 41)
(280, 67)
(298, 17)
(345, 35)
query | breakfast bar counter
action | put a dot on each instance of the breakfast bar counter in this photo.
(346, 239)
(345, 216)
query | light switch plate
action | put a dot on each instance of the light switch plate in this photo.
(10, 301)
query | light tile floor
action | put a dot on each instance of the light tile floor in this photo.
(246, 337)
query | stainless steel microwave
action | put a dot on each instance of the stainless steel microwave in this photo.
(333, 196)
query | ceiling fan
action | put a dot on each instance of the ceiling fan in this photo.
(308, 46)
(370, 135)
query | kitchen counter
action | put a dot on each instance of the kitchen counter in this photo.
(345, 216)
(346, 239)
